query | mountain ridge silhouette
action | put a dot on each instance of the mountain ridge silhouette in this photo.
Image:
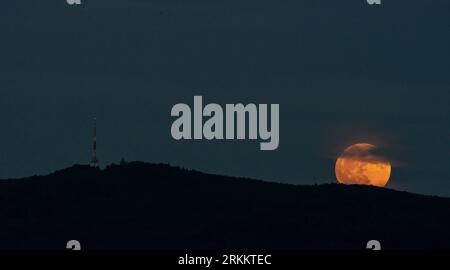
(141, 205)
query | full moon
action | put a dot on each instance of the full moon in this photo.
(360, 164)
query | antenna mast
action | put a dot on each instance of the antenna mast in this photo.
(94, 160)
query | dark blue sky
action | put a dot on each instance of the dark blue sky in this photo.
(343, 72)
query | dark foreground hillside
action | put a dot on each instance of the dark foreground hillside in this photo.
(147, 206)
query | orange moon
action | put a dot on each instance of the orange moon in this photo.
(360, 164)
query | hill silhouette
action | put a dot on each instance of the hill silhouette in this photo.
(156, 206)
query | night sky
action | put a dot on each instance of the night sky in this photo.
(343, 72)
